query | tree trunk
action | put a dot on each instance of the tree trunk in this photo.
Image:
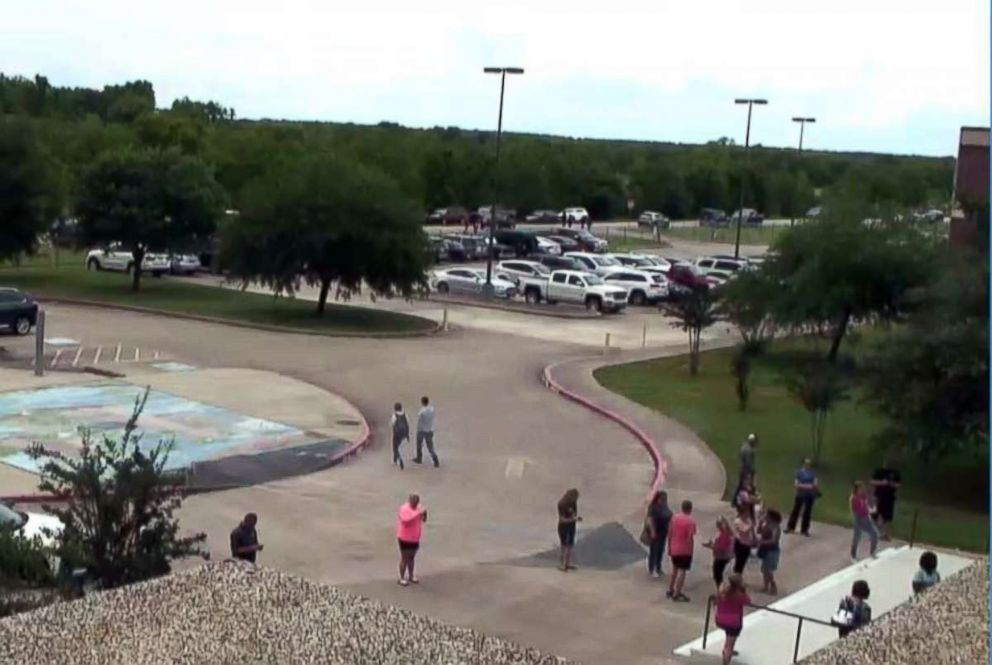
(693, 351)
(325, 286)
(838, 336)
(138, 255)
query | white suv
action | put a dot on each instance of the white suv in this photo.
(643, 287)
(116, 257)
(577, 214)
(582, 288)
(706, 265)
(600, 264)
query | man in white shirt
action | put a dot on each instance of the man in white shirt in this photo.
(425, 431)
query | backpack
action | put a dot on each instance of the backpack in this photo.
(401, 428)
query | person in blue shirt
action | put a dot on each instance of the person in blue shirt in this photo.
(927, 575)
(807, 492)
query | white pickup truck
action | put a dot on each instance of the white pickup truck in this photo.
(575, 287)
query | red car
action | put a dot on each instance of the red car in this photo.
(684, 278)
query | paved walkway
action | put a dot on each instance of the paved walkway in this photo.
(509, 448)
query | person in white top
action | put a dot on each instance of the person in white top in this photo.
(425, 431)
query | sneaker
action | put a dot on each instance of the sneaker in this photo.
(789, 531)
(669, 594)
(655, 574)
(417, 460)
(402, 582)
(854, 559)
(401, 464)
(414, 580)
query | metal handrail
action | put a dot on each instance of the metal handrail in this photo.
(799, 626)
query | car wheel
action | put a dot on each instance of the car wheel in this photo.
(552, 302)
(532, 296)
(594, 303)
(637, 298)
(22, 325)
(442, 288)
(93, 264)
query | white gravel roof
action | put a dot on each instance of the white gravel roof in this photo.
(949, 625)
(230, 612)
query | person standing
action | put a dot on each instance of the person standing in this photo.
(425, 431)
(746, 467)
(807, 492)
(744, 538)
(401, 432)
(244, 539)
(748, 496)
(568, 516)
(886, 481)
(854, 611)
(658, 518)
(862, 522)
(410, 520)
(769, 549)
(730, 603)
(723, 549)
(681, 539)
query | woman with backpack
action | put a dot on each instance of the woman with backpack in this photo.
(730, 604)
(401, 432)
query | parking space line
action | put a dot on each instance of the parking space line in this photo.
(55, 358)
(137, 354)
(117, 354)
(155, 356)
(96, 356)
(79, 352)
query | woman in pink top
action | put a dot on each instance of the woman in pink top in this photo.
(723, 549)
(863, 523)
(730, 604)
(409, 521)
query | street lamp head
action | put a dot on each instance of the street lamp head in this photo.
(762, 102)
(493, 70)
(750, 101)
(514, 70)
(741, 101)
(503, 70)
(804, 120)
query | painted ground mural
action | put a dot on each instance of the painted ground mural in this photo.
(55, 416)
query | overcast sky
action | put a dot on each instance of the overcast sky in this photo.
(879, 75)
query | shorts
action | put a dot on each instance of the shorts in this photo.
(407, 546)
(566, 533)
(769, 560)
(732, 631)
(719, 567)
(681, 561)
(886, 509)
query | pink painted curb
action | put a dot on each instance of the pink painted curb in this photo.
(660, 466)
(355, 447)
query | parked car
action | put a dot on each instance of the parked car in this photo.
(116, 257)
(444, 249)
(750, 216)
(647, 262)
(713, 217)
(184, 264)
(566, 244)
(814, 212)
(473, 247)
(643, 287)
(577, 214)
(543, 217)
(586, 240)
(450, 215)
(652, 219)
(561, 263)
(33, 525)
(18, 311)
(517, 269)
(522, 243)
(506, 218)
(709, 264)
(683, 277)
(571, 286)
(547, 246)
(469, 281)
(599, 264)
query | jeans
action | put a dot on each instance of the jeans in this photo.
(397, 442)
(865, 525)
(804, 504)
(656, 554)
(428, 438)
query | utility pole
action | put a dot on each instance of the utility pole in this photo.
(747, 146)
(802, 126)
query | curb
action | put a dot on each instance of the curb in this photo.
(660, 466)
(355, 447)
(517, 309)
(436, 329)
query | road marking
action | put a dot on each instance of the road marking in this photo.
(515, 467)
(155, 356)
(79, 352)
(137, 354)
(96, 356)
(117, 354)
(55, 358)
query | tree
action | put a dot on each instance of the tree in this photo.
(930, 376)
(819, 386)
(148, 200)
(693, 312)
(29, 192)
(118, 518)
(325, 221)
(837, 270)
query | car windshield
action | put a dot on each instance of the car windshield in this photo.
(585, 235)
(606, 261)
(593, 280)
(10, 518)
(541, 269)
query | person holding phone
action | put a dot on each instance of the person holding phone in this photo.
(409, 523)
(568, 516)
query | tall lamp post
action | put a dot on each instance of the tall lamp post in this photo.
(502, 71)
(747, 145)
(802, 127)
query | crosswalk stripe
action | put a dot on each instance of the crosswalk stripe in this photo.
(96, 356)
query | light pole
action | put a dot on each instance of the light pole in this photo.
(502, 71)
(802, 127)
(747, 145)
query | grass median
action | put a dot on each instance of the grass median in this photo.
(70, 280)
(951, 495)
(750, 235)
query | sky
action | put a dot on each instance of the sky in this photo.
(896, 76)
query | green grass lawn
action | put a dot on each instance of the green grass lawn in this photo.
(952, 496)
(39, 277)
(762, 235)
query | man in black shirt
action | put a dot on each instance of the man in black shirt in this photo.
(885, 480)
(244, 539)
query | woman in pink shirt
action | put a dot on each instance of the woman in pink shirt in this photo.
(730, 604)
(723, 549)
(863, 523)
(409, 521)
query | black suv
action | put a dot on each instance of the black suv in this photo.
(523, 243)
(713, 217)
